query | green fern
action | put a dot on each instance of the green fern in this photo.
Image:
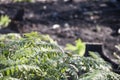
(8, 78)
(34, 57)
(79, 47)
(21, 70)
(100, 75)
(30, 51)
(78, 66)
(4, 20)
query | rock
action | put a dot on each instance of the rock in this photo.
(56, 26)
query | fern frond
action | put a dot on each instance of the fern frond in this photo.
(83, 65)
(21, 70)
(87, 63)
(8, 78)
(32, 58)
(99, 75)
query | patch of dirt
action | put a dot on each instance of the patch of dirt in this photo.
(91, 21)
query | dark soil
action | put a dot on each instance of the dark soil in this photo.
(92, 21)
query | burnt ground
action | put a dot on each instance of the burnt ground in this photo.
(91, 21)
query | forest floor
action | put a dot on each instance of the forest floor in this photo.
(92, 22)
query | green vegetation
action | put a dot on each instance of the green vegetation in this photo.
(4, 20)
(38, 57)
(79, 47)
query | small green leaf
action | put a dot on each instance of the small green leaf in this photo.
(8, 72)
(79, 47)
(4, 20)
(70, 47)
